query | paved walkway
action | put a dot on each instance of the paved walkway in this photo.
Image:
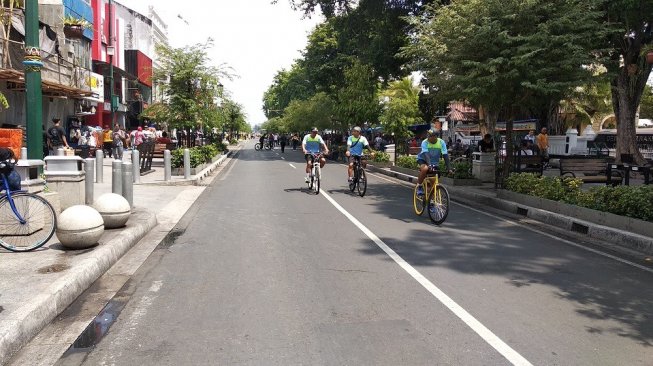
(36, 286)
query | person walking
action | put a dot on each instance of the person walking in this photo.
(542, 142)
(56, 137)
(283, 140)
(118, 142)
(107, 141)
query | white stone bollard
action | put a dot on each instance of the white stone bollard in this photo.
(79, 227)
(114, 210)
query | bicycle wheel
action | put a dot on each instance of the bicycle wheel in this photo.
(354, 180)
(316, 184)
(439, 204)
(418, 201)
(40, 222)
(257, 147)
(362, 182)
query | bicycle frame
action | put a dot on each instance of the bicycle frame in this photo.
(7, 193)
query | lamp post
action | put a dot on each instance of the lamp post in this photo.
(33, 65)
(111, 50)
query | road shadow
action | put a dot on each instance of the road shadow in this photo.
(472, 243)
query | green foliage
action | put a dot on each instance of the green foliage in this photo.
(400, 107)
(381, 157)
(198, 155)
(407, 161)
(357, 101)
(190, 85)
(288, 85)
(631, 201)
(461, 170)
(314, 112)
(506, 54)
(646, 106)
(73, 21)
(233, 142)
(220, 146)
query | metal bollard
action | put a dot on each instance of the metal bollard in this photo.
(60, 152)
(99, 166)
(167, 165)
(127, 157)
(186, 164)
(136, 165)
(116, 177)
(128, 183)
(89, 165)
(23, 153)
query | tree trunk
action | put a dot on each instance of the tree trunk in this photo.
(627, 90)
(490, 122)
(507, 165)
(556, 125)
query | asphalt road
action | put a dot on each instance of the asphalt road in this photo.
(268, 274)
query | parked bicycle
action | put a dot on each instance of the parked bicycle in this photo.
(266, 146)
(435, 198)
(316, 174)
(359, 180)
(27, 221)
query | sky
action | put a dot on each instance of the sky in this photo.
(254, 37)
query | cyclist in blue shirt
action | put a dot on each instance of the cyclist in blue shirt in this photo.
(312, 144)
(355, 145)
(433, 148)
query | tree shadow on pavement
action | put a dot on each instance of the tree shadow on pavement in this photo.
(472, 243)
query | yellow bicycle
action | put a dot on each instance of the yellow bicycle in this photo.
(435, 198)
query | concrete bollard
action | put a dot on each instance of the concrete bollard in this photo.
(60, 152)
(116, 177)
(186, 164)
(23, 153)
(89, 166)
(128, 183)
(136, 165)
(167, 165)
(127, 157)
(99, 166)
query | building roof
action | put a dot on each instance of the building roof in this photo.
(462, 112)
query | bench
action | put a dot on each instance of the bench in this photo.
(160, 148)
(528, 164)
(589, 170)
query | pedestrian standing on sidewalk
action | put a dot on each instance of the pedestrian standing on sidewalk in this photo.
(56, 137)
(118, 142)
(542, 141)
(283, 140)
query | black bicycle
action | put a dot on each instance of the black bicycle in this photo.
(266, 146)
(359, 180)
(27, 221)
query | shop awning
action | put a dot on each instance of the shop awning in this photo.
(49, 87)
(102, 67)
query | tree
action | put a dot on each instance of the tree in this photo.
(305, 114)
(630, 42)
(400, 107)
(357, 101)
(505, 55)
(234, 117)
(288, 85)
(190, 85)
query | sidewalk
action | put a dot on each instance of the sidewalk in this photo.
(618, 232)
(37, 286)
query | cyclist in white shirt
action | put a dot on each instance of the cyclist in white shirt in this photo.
(355, 145)
(313, 144)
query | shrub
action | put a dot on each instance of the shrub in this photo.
(406, 161)
(233, 142)
(631, 201)
(381, 157)
(198, 156)
(221, 146)
(462, 170)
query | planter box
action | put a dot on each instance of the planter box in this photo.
(406, 171)
(637, 226)
(460, 182)
(385, 164)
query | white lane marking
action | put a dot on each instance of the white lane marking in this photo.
(506, 351)
(283, 158)
(607, 255)
(569, 242)
(294, 167)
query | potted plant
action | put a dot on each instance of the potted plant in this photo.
(74, 27)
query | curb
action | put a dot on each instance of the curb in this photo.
(197, 178)
(44, 308)
(623, 238)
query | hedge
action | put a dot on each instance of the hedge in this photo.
(198, 155)
(630, 201)
(462, 170)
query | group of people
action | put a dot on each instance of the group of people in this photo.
(281, 140)
(531, 144)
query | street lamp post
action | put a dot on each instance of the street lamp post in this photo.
(33, 65)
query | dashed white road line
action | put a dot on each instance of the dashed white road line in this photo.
(500, 346)
(292, 166)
